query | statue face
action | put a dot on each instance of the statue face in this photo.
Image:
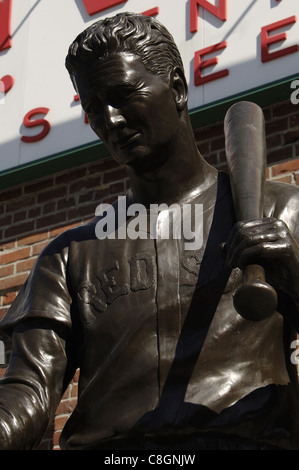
(130, 109)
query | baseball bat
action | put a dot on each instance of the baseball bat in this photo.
(245, 144)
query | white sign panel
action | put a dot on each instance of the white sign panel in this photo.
(228, 47)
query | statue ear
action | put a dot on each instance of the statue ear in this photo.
(180, 88)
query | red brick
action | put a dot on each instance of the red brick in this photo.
(19, 216)
(87, 197)
(38, 186)
(26, 265)
(203, 147)
(66, 203)
(283, 109)
(273, 141)
(15, 255)
(294, 119)
(66, 406)
(102, 166)
(49, 207)
(277, 126)
(217, 144)
(285, 167)
(34, 212)
(60, 422)
(84, 184)
(291, 136)
(11, 194)
(2, 371)
(52, 220)
(116, 188)
(7, 246)
(6, 271)
(21, 203)
(38, 248)
(76, 376)
(6, 220)
(13, 282)
(82, 212)
(208, 132)
(56, 436)
(9, 297)
(31, 239)
(114, 175)
(59, 230)
(3, 311)
(20, 229)
(53, 194)
(284, 179)
(280, 154)
(70, 176)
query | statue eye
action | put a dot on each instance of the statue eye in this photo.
(119, 96)
(92, 108)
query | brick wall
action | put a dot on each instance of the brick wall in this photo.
(35, 212)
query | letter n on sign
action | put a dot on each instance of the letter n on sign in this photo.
(94, 6)
(5, 21)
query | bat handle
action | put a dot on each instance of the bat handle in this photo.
(255, 299)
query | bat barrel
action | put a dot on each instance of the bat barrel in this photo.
(244, 129)
(245, 144)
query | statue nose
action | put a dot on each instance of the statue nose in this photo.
(114, 117)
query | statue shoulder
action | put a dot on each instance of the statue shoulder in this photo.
(281, 201)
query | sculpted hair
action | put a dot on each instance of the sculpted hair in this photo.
(125, 32)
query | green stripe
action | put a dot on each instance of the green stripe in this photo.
(264, 96)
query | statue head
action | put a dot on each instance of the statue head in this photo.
(126, 32)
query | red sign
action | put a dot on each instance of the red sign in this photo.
(5, 22)
(203, 59)
(219, 11)
(267, 40)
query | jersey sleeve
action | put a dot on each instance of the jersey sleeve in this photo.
(46, 292)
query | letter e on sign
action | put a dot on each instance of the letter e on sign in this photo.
(200, 64)
(267, 40)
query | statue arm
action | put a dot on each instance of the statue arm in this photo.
(33, 385)
(43, 358)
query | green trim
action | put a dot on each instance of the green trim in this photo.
(49, 165)
(264, 96)
(277, 91)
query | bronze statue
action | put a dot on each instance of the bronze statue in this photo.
(165, 360)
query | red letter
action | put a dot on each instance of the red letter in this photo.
(266, 40)
(38, 122)
(200, 64)
(152, 12)
(77, 98)
(219, 11)
(7, 83)
(5, 19)
(94, 6)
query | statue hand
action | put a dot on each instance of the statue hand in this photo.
(267, 242)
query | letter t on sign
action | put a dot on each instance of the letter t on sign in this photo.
(5, 21)
(94, 6)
